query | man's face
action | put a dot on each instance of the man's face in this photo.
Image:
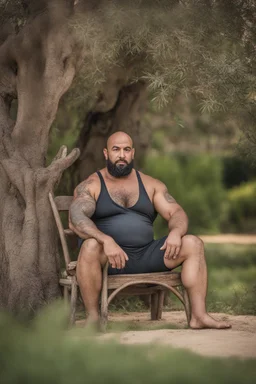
(119, 156)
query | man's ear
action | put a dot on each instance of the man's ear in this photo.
(133, 153)
(105, 152)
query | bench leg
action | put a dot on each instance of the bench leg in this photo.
(104, 300)
(73, 301)
(160, 304)
(66, 295)
(154, 305)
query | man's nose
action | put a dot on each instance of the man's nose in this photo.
(121, 155)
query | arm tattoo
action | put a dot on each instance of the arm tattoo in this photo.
(82, 188)
(83, 207)
(168, 197)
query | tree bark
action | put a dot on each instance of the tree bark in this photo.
(37, 66)
(120, 110)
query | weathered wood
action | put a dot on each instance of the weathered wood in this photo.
(135, 281)
(69, 232)
(153, 305)
(104, 299)
(160, 304)
(65, 282)
(143, 290)
(71, 268)
(73, 300)
(60, 230)
(63, 202)
(170, 278)
(72, 264)
(66, 294)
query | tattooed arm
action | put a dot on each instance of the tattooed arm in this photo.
(81, 210)
(176, 217)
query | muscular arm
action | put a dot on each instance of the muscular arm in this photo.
(170, 210)
(80, 212)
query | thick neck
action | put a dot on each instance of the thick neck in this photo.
(113, 179)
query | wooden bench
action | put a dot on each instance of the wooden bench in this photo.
(153, 284)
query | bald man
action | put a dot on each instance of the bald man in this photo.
(113, 213)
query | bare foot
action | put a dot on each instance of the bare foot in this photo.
(206, 321)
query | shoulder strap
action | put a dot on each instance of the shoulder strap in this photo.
(142, 187)
(139, 180)
(102, 181)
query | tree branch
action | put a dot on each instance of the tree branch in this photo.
(63, 162)
(52, 174)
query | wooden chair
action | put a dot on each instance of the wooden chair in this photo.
(153, 284)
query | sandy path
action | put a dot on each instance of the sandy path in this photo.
(229, 238)
(239, 341)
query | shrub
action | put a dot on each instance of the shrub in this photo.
(195, 182)
(236, 170)
(242, 208)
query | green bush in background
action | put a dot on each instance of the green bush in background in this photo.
(195, 181)
(236, 170)
(241, 208)
(46, 352)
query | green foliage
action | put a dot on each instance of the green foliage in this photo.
(236, 170)
(242, 208)
(46, 352)
(65, 129)
(200, 49)
(232, 276)
(195, 182)
(175, 46)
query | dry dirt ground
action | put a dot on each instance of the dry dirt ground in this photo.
(238, 341)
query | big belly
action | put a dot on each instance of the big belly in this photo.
(128, 230)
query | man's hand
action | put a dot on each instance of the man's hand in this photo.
(172, 245)
(116, 256)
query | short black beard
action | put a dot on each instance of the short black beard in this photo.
(119, 171)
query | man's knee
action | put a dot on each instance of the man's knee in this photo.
(91, 250)
(192, 242)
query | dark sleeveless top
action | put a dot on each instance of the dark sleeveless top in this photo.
(129, 227)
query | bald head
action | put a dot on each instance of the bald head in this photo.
(119, 138)
(119, 154)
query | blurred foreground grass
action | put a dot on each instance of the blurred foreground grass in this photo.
(231, 286)
(45, 352)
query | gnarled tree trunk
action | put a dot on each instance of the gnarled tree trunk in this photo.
(37, 66)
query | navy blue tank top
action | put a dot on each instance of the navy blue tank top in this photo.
(129, 227)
